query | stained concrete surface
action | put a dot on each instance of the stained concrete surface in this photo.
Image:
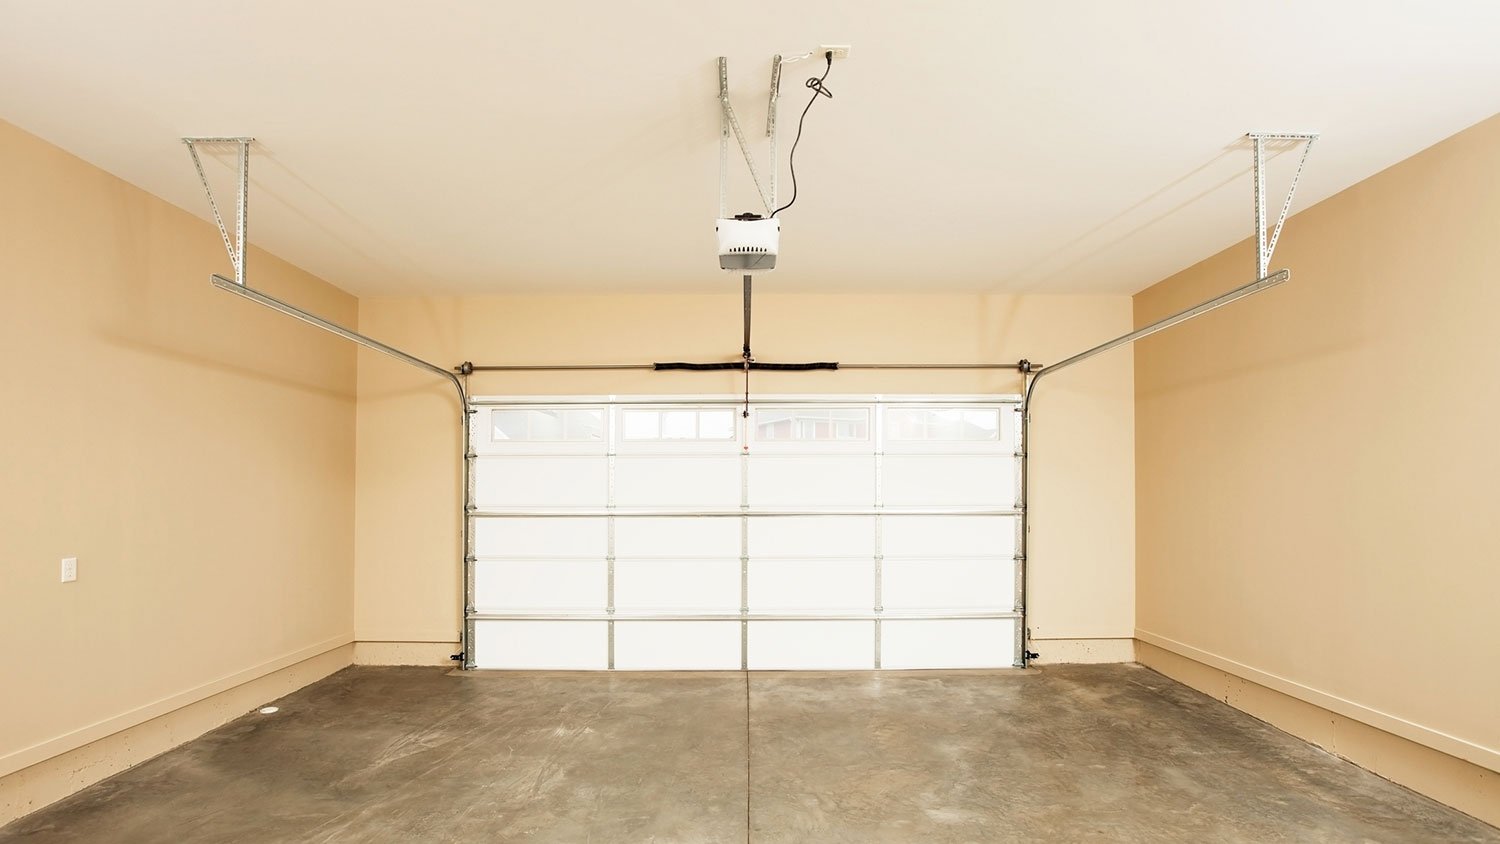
(1073, 753)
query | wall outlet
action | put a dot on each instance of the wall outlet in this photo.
(69, 569)
(839, 51)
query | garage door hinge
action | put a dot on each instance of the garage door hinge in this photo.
(1032, 655)
(458, 657)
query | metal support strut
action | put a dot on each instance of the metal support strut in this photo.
(1023, 654)
(238, 286)
(1265, 246)
(235, 247)
(745, 351)
(729, 123)
(1264, 279)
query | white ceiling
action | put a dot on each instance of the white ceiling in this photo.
(573, 146)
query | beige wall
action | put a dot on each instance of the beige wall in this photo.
(1316, 466)
(407, 573)
(194, 452)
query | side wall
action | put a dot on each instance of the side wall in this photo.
(1316, 468)
(407, 573)
(192, 450)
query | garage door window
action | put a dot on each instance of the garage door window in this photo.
(812, 424)
(547, 424)
(944, 424)
(712, 424)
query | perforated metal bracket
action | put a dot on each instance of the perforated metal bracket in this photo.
(1266, 246)
(729, 124)
(775, 96)
(235, 247)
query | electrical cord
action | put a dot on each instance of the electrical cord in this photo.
(816, 84)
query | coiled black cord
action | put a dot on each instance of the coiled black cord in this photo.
(816, 84)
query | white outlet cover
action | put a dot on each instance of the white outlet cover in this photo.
(840, 51)
(69, 569)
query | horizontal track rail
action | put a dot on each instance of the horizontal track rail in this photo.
(752, 616)
(651, 449)
(605, 367)
(687, 401)
(733, 514)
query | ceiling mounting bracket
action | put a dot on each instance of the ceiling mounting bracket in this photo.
(1265, 245)
(235, 247)
(729, 124)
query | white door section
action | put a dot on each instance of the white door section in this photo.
(821, 532)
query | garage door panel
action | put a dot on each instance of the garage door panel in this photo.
(954, 584)
(956, 643)
(812, 481)
(701, 585)
(811, 645)
(541, 585)
(702, 482)
(532, 482)
(667, 537)
(542, 645)
(534, 538)
(804, 585)
(949, 536)
(677, 645)
(812, 536)
(955, 480)
(633, 458)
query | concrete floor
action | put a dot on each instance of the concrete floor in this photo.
(1107, 753)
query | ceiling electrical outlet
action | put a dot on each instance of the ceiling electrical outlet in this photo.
(69, 569)
(839, 51)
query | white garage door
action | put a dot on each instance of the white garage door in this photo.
(820, 533)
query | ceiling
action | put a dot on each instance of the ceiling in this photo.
(489, 147)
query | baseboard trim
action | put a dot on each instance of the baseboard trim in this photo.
(1087, 651)
(405, 653)
(27, 756)
(1486, 757)
(1444, 777)
(52, 779)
